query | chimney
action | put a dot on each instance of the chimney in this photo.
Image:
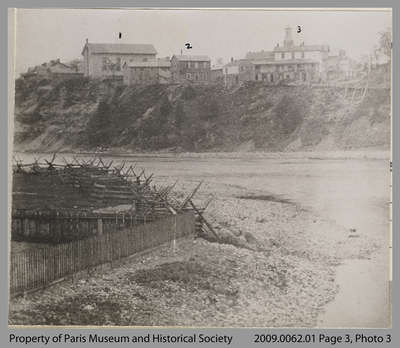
(231, 59)
(288, 42)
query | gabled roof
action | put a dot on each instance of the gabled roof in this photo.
(185, 58)
(302, 48)
(260, 55)
(97, 48)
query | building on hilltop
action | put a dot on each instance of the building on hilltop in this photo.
(54, 68)
(147, 73)
(192, 69)
(238, 71)
(289, 62)
(299, 62)
(107, 60)
(231, 73)
(217, 74)
(290, 51)
(301, 70)
(339, 67)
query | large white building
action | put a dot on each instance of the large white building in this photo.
(288, 62)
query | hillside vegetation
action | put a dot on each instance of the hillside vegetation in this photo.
(81, 114)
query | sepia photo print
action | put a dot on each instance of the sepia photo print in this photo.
(201, 168)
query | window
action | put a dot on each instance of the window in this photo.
(118, 64)
(302, 55)
(283, 55)
(196, 65)
(292, 55)
(145, 59)
(105, 63)
(189, 76)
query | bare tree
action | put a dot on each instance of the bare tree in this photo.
(385, 42)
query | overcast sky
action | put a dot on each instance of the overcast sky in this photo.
(47, 34)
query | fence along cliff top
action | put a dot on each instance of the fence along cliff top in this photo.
(75, 192)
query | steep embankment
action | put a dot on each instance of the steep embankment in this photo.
(82, 114)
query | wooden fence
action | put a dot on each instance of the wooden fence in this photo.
(66, 226)
(36, 268)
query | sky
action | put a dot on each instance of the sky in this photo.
(45, 34)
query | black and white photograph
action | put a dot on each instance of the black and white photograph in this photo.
(202, 168)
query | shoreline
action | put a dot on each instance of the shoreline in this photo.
(310, 155)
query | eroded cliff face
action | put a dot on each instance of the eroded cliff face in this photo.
(69, 115)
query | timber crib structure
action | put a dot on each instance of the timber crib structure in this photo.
(87, 213)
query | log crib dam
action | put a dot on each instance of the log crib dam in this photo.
(81, 214)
